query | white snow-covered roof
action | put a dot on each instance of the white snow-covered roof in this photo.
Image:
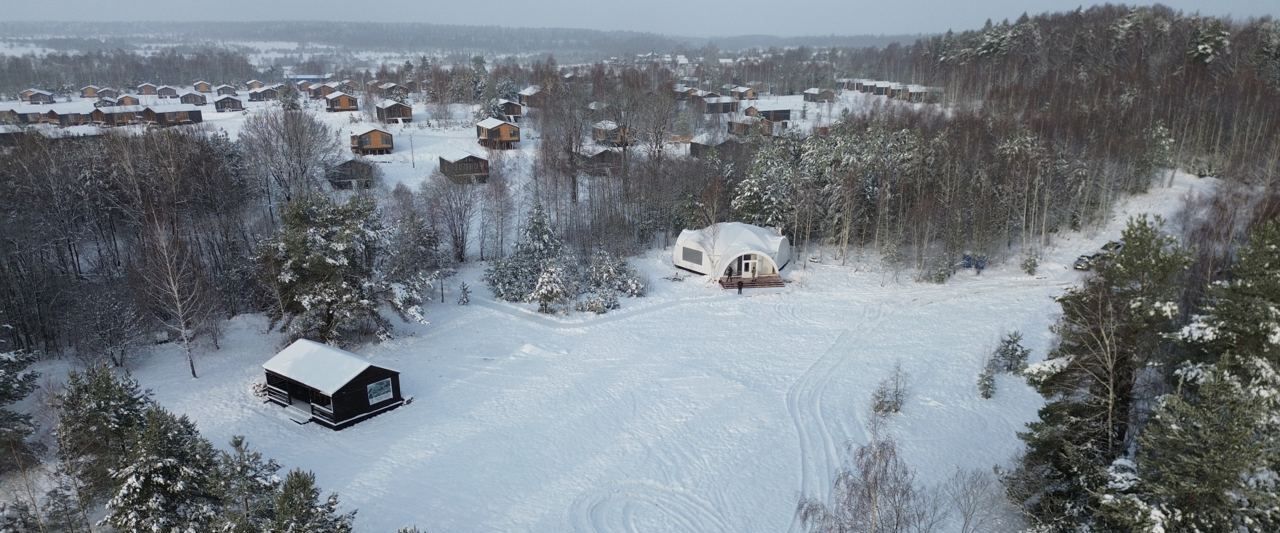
(767, 105)
(741, 89)
(367, 130)
(812, 90)
(89, 87)
(725, 241)
(335, 94)
(454, 155)
(224, 86)
(490, 123)
(530, 90)
(504, 101)
(388, 85)
(388, 103)
(172, 108)
(606, 125)
(720, 99)
(319, 366)
(227, 97)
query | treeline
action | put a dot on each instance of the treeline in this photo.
(1093, 79)
(65, 73)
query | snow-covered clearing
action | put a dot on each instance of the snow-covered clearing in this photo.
(690, 410)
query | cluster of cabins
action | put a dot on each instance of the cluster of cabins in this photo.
(152, 115)
(896, 91)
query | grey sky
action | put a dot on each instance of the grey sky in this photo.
(677, 17)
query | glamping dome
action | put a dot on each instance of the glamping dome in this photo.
(732, 250)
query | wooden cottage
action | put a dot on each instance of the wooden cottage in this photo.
(774, 112)
(600, 161)
(372, 141)
(89, 91)
(719, 104)
(609, 133)
(340, 101)
(303, 87)
(171, 115)
(167, 92)
(323, 90)
(224, 90)
(513, 111)
(265, 94)
(333, 387)
(105, 102)
(819, 95)
(464, 168)
(127, 99)
(393, 111)
(725, 148)
(107, 92)
(39, 97)
(497, 134)
(227, 103)
(352, 174)
(254, 84)
(26, 93)
(147, 89)
(743, 93)
(750, 126)
(531, 96)
(202, 86)
(193, 98)
(391, 89)
(118, 115)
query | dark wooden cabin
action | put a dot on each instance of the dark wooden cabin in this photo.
(393, 111)
(37, 96)
(264, 94)
(253, 84)
(167, 92)
(118, 115)
(725, 148)
(512, 110)
(600, 161)
(127, 99)
(719, 105)
(497, 134)
(227, 103)
(225, 90)
(202, 86)
(750, 126)
(464, 168)
(372, 142)
(193, 98)
(819, 95)
(743, 93)
(171, 115)
(352, 174)
(340, 101)
(107, 92)
(609, 133)
(89, 91)
(147, 89)
(531, 96)
(330, 386)
(773, 113)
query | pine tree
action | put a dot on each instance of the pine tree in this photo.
(99, 414)
(464, 294)
(300, 510)
(766, 196)
(515, 277)
(551, 288)
(1010, 356)
(248, 484)
(17, 381)
(167, 482)
(987, 381)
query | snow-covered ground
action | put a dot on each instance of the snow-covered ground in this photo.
(690, 410)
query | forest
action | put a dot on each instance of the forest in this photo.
(1160, 387)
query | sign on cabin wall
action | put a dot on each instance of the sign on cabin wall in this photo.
(379, 391)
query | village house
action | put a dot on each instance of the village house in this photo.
(147, 89)
(609, 133)
(224, 90)
(89, 91)
(723, 147)
(323, 90)
(107, 92)
(265, 94)
(464, 168)
(393, 111)
(127, 99)
(193, 98)
(227, 103)
(745, 126)
(600, 160)
(202, 86)
(512, 111)
(340, 101)
(682, 92)
(171, 115)
(372, 141)
(819, 95)
(332, 387)
(303, 87)
(166, 91)
(105, 102)
(531, 96)
(38, 97)
(391, 90)
(253, 84)
(772, 111)
(119, 115)
(352, 174)
(497, 134)
(720, 104)
(743, 93)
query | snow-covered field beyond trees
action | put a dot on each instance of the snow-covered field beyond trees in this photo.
(689, 410)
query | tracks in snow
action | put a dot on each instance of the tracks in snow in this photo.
(618, 510)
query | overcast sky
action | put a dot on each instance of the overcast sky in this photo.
(694, 18)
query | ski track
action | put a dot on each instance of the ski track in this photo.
(617, 510)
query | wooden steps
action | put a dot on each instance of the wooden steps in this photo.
(762, 282)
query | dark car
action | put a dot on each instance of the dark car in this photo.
(1113, 247)
(1084, 262)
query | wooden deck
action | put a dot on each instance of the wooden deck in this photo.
(759, 282)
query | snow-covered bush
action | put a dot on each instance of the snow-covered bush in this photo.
(597, 302)
(1030, 264)
(891, 394)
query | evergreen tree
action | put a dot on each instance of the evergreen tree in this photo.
(167, 482)
(1010, 356)
(99, 414)
(17, 381)
(765, 196)
(515, 277)
(248, 484)
(987, 381)
(1113, 326)
(322, 266)
(300, 510)
(551, 288)
(464, 294)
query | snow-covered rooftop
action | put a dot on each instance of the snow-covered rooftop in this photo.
(388, 103)
(454, 155)
(490, 123)
(319, 366)
(530, 90)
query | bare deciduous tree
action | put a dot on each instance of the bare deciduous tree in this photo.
(291, 151)
(171, 278)
(452, 206)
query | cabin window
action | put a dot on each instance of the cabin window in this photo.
(690, 255)
(379, 391)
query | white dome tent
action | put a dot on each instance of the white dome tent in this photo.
(733, 251)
